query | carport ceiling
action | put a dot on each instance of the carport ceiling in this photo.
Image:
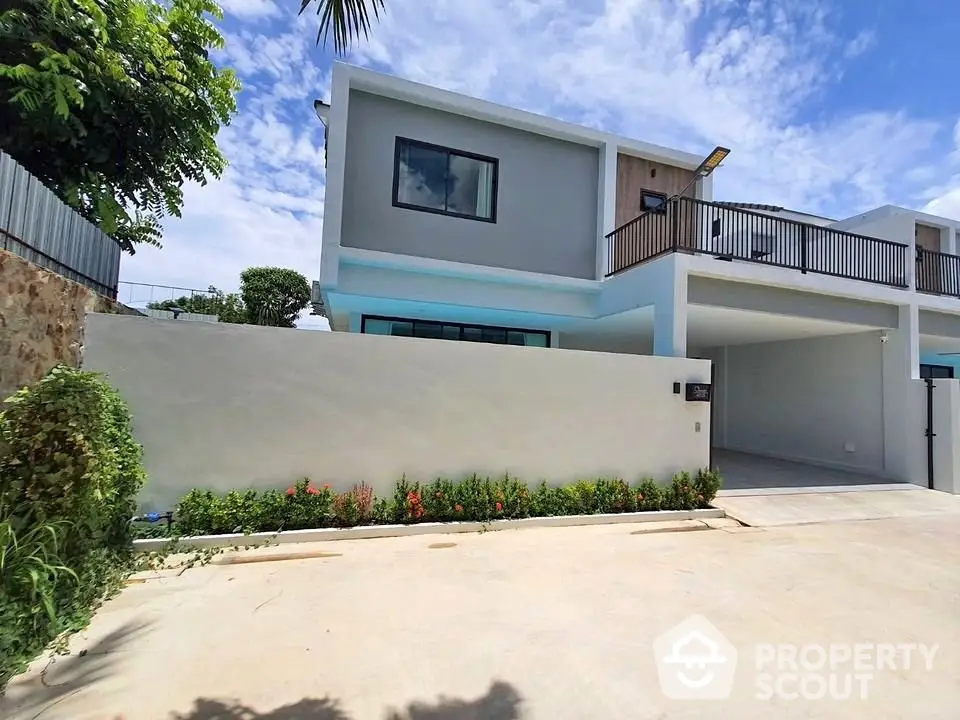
(709, 326)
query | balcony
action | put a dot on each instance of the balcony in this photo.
(731, 234)
(938, 273)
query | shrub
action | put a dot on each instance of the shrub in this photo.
(440, 501)
(547, 501)
(307, 506)
(707, 483)
(302, 506)
(649, 495)
(582, 498)
(681, 495)
(382, 511)
(401, 495)
(475, 498)
(70, 471)
(614, 496)
(354, 507)
(512, 497)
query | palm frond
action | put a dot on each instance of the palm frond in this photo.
(347, 19)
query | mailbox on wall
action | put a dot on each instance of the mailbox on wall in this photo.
(699, 392)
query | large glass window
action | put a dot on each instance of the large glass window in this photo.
(454, 331)
(936, 371)
(440, 180)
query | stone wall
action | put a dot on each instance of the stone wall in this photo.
(41, 321)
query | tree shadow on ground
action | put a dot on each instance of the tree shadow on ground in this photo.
(501, 702)
(62, 676)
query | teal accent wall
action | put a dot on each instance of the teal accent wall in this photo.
(935, 359)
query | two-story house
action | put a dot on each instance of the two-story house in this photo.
(453, 218)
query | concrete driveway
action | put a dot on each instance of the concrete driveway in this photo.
(547, 623)
(747, 471)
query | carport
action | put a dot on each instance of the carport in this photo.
(805, 385)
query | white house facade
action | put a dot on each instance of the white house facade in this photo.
(454, 218)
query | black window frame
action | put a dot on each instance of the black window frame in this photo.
(927, 371)
(463, 326)
(661, 209)
(495, 185)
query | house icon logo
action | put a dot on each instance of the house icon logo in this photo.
(695, 661)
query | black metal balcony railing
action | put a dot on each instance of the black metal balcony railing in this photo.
(695, 226)
(938, 272)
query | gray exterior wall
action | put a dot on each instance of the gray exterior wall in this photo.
(546, 201)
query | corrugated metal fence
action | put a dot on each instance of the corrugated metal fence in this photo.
(35, 224)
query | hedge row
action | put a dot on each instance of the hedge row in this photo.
(70, 472)
(305, 506)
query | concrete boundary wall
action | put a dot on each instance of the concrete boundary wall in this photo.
(230, 406)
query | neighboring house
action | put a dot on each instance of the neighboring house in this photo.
(454, 218)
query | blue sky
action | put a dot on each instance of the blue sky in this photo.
(829, 107)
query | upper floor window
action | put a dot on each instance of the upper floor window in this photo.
(652, 201)
(440, 180)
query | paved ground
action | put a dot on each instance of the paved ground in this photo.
(783, 506)
(743, 470)
(551, 623)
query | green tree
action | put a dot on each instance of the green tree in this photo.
(228, 307)
(273, 296)
(114, 104)
(347, 19)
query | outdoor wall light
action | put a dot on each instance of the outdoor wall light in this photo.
(712, 161)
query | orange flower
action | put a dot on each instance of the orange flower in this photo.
(326, 486)
(312, 490)
(291, 491)
(499, 507)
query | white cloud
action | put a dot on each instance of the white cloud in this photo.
(249, 9)
(945, 198)
(947, 204)
(864, 40)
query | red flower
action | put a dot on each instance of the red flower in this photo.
(326, 486)
(291, 491)
(312, 490)
(458, 507)
(499, 507)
